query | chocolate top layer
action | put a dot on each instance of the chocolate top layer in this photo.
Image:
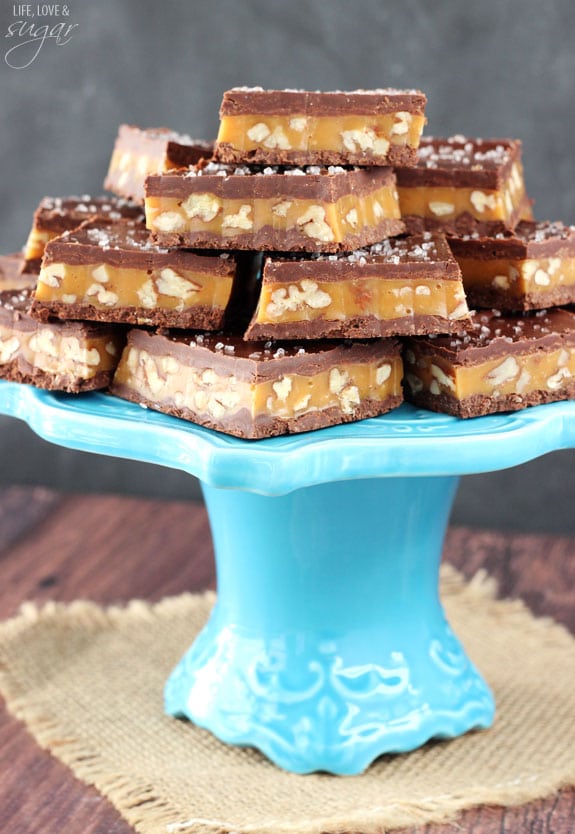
(530, 239)
(409, 256)
(260, 361)
(179, 148)
(493, 334)
(14, 300)
(241, 182)
(460, 162)
(10, 272)
(15, 289)
(241, 100)
(128, 244)
(60, 214)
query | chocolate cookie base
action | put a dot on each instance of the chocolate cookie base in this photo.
(506, 302)
(463, 224)
(198, 318)
(268, 240)
(20, 371)
(244, 427)
(478, 405)
(360, 327)
(397, 155)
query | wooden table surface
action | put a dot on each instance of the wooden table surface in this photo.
(111, 549)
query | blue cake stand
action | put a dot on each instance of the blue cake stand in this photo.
(328, 645)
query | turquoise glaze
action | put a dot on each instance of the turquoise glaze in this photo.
(328, 645)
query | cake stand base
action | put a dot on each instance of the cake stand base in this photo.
(328, 645)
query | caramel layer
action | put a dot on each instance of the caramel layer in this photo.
(36, 243)
(139, 152)
(128, 164)
(283, 224)
(528, 282)
(365, 136)
(55, 352)
(218, 399)
(366, 298)
(442, 203)
(107, 288)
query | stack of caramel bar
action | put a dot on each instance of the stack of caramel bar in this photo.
(282, 278)
(519, 349)
(78, 347)
(303, 181)
(70, 355)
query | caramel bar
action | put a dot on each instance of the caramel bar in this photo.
(111, 272)
(529, 269)
(12, 276)
(259, 389)
(56, 215)
(70, 356)
(464, 185)
(402, 286)
(295, 127)
(295, 209)
(139, 152)
(504, 363)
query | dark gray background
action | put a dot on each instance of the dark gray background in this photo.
(494, 68)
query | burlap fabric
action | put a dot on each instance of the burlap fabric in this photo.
(88, 683)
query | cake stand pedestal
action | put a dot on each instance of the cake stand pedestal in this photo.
(328, 645)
